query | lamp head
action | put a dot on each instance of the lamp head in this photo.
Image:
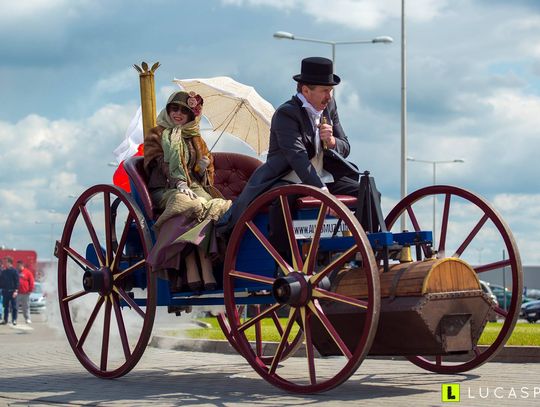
(283, 35)
(384, 39)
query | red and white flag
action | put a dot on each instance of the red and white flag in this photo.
(132, 145)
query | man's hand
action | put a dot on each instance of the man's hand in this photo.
(326, 133)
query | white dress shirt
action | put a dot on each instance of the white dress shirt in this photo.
(317, 160)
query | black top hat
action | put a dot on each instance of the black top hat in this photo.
(317, 71)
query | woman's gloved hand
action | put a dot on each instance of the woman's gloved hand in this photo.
(183, 188)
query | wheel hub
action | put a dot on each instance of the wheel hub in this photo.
(98, 281)
(293, 289)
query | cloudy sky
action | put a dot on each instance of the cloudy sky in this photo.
(69, 91)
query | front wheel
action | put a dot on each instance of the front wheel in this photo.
(106, 291)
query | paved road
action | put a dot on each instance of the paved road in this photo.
(37, 367)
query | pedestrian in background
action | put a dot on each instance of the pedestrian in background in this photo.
(10, 283)
(26, 286)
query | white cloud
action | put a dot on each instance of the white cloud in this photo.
(358, 14)
(43, 10)
(115, 82)
(44, 161)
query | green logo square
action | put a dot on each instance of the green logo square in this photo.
(450, 392)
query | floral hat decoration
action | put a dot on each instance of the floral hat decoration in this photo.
(191, 100)
(195, 102)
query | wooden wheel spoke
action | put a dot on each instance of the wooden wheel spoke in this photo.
(93, 235)
(258, 334)
(125, 296)
(106, 332)
(121, 326)
(471, 236)
(108, 227)
(129, 270)
(309, 346)
(89, 323)
(444, 224)
(476, 350)
(493, 266)
(120, 249)
(250, 322)
(309, 264)
(412, 216)
(80, 260)
(438, 360)
(296, 257)
(277, 323)
(416, 226)
(337, 263)
(286, 268)
(251, 277)
(284, 341)
(331, 330)
(74, 296)
(501, 312)
(328, 295)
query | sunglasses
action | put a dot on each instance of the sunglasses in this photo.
(175, 108)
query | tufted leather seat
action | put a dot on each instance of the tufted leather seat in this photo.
(232, 173)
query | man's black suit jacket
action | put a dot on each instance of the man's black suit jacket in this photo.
(291, 148)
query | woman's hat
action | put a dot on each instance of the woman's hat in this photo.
(317, 71)
(190, 100)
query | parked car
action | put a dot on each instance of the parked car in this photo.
(531, 311)
(38, 300)
(501, 292)
(492, 316)
(533, 293)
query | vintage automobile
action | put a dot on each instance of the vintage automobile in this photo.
(354, 285)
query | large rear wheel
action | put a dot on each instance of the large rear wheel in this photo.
(467, 228)
(301, 291)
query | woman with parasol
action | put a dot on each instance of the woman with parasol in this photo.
(180, 180)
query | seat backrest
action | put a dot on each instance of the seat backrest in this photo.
(232, 172)
(134, 167)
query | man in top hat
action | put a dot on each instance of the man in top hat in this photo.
(304, 147)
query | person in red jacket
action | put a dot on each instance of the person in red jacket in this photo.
(26, 286)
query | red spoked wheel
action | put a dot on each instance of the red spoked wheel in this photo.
(261, 331)
(108, 287)
(301, 292)
(469, 227)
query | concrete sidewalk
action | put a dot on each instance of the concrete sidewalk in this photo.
(509, 354)
(38, 368)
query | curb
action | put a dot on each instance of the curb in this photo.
(509, 354)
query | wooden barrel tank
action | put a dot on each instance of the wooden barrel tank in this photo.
(432, 307)
(412, 279)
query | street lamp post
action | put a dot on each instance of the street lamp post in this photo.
(377, 40)
(434, 164)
